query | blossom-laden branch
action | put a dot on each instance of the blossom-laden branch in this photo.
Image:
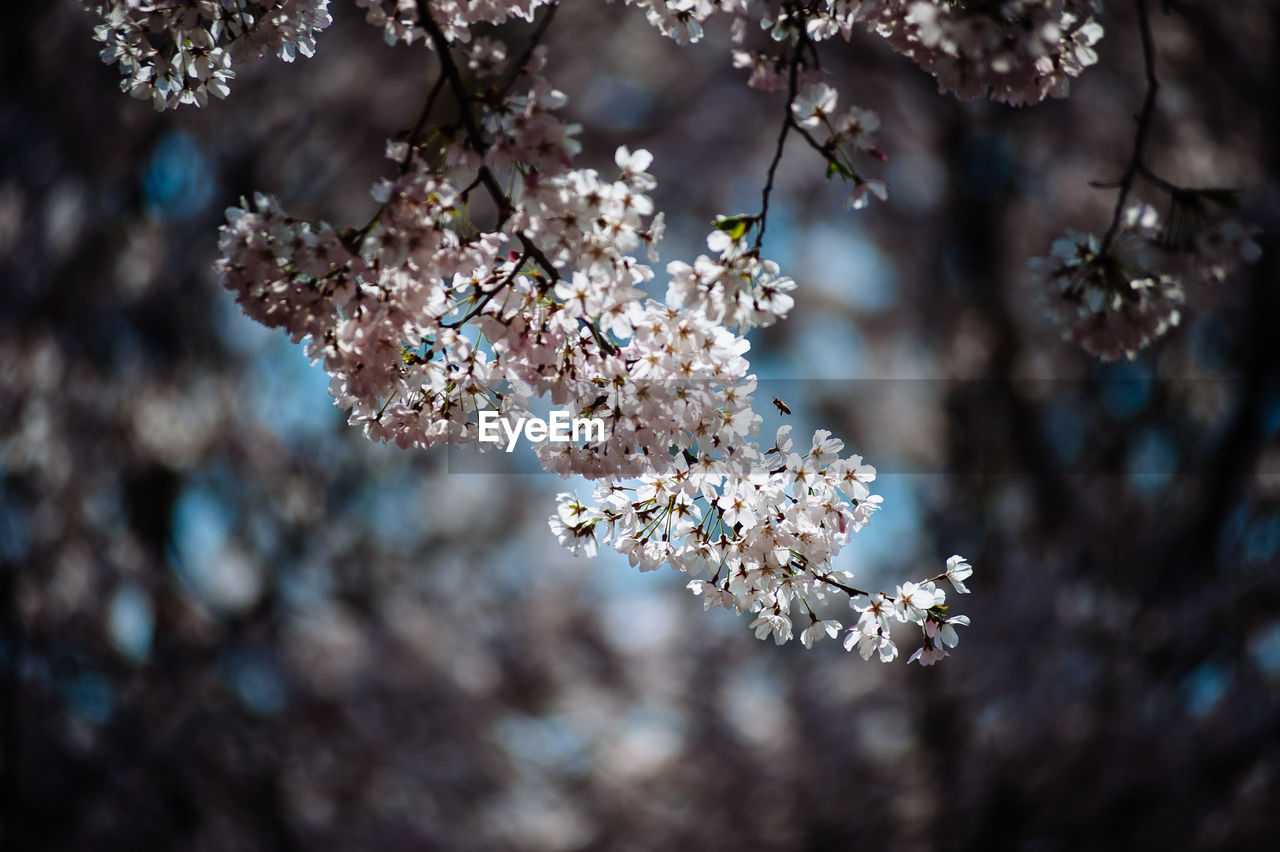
(805, 110)
(813, 109)
(175, 53)
(178, 52)
(1117, 295)
(424, 323)
(424, 319)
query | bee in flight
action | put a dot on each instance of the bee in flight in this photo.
(781, 406)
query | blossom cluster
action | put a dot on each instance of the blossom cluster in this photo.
(757, 531)
(737, 289)
(1017, 51)
(849, 134)
(181, 53)
(400, 20)
(423, 320)
(1014, 51)
(1115, 298)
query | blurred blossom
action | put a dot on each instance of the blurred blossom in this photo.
(752, 704)
(140, 260)
(64, 215)
(328, 647)
(647, 739)
(551, 742)
(12, 210)
(211, 564)
(131, 622)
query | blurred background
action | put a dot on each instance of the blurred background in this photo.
(228, 622)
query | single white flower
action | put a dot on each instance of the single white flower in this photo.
(914, 601)
(815, 631)
(772, 623)
(814, 105)
(958, 570)
(858, 197)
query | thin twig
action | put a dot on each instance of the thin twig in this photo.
(824, 150)
(474, 138)
(1144, 124)
(848, 590)
(355, 238)
(788, 122)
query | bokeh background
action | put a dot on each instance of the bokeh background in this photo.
(228, 622)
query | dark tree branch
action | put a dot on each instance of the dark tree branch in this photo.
(488, 295)
(475, 140)
(1145, 116)
(848, 590)
(353, 239)
(788, 123)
